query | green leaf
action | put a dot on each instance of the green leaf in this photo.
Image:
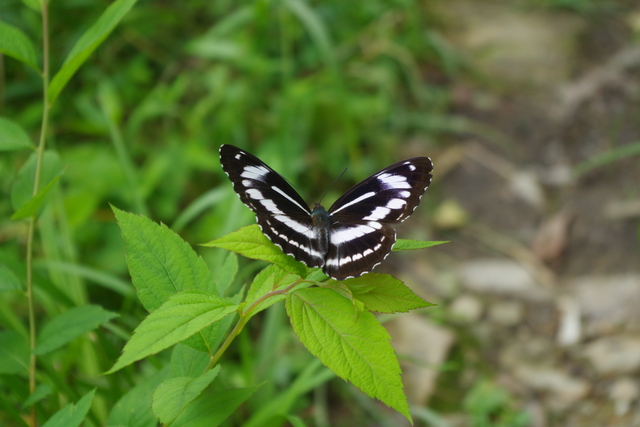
(12, 136)
(14, 353)
(210, 337)
(270, 279)
(8, 280)
(16, 44)
(33, 205)
(41, 391)
(22, 189)
(410, 245)
(69, 325)
(295, 421)
(174, 394)
(188, 362)
(384, 293)
(353, 345)
(89, 41)
(317, 30)
(282, 403)
(72, 415)
(33, 4)
(211, 410)
(606, 158)
(250, 242)
(110, 281)
(134, 408)
(160, 262)
(227, 272)
(180, 317)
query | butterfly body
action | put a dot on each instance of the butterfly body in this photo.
(349, 239)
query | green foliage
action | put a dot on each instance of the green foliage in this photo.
(491, 406)
(16, 44)
(71, 415)
(250, 242)
(12, 136)
(173, 395)
(22, 189)
(14, 353)
(140, 96)
(89, 41)
(412, 245)
(69, 325)
(385, 294)
(160, 262)
(353, 345)
(183, 315)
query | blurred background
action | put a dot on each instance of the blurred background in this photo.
(530, 110)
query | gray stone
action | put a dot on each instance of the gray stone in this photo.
(506, 313)
(427, 343)
(467, 308)
(564, 389)
(607, 301)
(614, 355)
(623, 392)
(502, 277)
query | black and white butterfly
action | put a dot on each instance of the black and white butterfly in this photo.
(351, 238)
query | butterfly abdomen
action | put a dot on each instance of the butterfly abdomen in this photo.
(321, 222)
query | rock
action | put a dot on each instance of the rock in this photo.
(507, 313)
(608, 301)
(503, 277)
(623, 392)
(570, 328)
(425, 342)
(525, 185)
(528, 349)
(614, 355)
(466, 308)
(552, 237)
(564, 389)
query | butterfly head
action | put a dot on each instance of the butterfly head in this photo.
(320, 217)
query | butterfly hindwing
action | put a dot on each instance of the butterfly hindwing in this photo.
(281, 213)
(356, 249)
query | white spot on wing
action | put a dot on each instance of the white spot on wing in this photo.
(393, 182)
(254, 172)
(237, 156)
(271, 207)
(276, 189)
(351, 233)
(356, 200)
(396, 203)
(377, 214)
(296, 226)
(255, 194)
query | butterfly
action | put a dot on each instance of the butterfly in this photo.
(349, 239)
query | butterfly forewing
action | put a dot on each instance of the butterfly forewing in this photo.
(355, 234)
(388, 196)
(281, 213)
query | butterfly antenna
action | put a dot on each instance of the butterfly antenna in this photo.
(333, 185)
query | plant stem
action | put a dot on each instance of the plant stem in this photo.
(244, 318)
(32, 220)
